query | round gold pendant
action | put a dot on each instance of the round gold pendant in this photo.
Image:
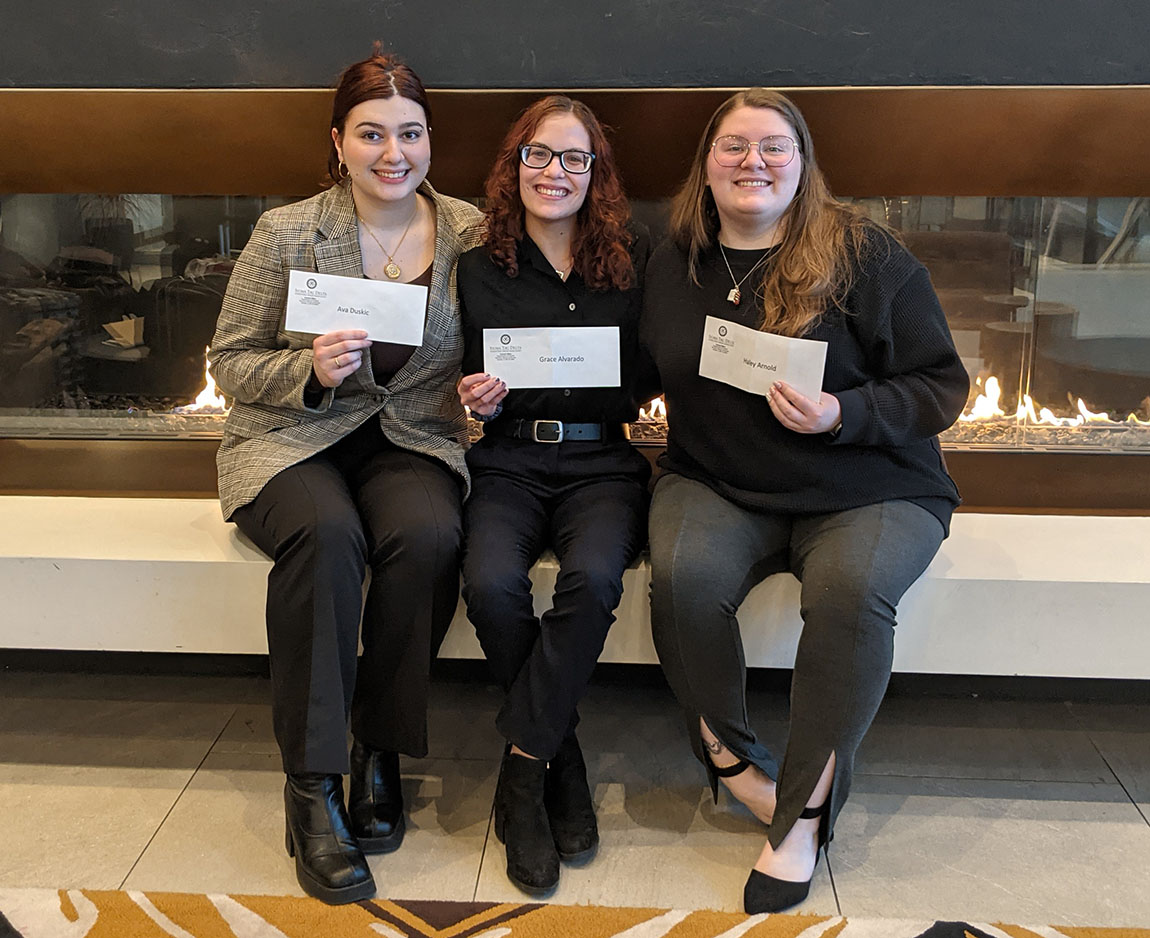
(392, 270)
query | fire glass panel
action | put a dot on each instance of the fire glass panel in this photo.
(107, 303)
(1047, 301)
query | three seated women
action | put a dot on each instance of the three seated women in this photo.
(343, 453)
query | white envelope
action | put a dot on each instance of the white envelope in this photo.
(553, 357)
(752, 361)
(388, 312)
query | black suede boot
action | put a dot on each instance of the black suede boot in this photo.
(567, 797)
(375, 804)
(521, 824)
(328, 863)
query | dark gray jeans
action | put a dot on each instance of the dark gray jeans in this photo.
(855, 565)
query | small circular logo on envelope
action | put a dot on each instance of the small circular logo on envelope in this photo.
(722, 330)
(311, 283)
(505, 339)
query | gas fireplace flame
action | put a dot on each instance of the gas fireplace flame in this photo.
(986, 407)
(655, 411)
(208, 401)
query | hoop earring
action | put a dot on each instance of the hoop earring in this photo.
(343, 170)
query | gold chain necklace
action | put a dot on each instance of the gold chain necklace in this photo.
(736, 295)
(392, 269)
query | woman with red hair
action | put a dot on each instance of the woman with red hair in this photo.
(554, 468)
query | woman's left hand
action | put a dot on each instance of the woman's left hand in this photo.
(801, 414)
(481, 393)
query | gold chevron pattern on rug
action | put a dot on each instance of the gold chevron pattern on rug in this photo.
(86, 913)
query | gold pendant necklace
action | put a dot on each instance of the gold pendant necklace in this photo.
(735, 296)
(392, 269)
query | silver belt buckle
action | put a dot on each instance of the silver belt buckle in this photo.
(556, 427)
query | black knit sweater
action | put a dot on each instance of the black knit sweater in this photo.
(891, 362)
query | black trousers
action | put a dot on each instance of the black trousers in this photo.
(363, 502)
(588, 503)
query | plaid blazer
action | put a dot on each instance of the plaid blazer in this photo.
(266, 369)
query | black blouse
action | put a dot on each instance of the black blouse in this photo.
(538, 297)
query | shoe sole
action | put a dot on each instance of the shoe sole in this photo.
(377, 845)
(364, 890)
(583, 856)
(317, 890)
(537, 892)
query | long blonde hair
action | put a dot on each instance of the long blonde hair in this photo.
(822, 237)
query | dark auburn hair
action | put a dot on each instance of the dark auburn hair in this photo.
(599, 248)
(378, 76)
(821, 236)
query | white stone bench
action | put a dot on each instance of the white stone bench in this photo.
(1007, 594)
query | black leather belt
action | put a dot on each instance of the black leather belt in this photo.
(555, 431)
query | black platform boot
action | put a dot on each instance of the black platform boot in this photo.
(375, 804)
(567, 797)
(521, 824)
(328, 863)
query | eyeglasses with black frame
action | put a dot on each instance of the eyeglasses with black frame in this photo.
(539, 156)
(776, 150)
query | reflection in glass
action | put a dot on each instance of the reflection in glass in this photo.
(108, 301)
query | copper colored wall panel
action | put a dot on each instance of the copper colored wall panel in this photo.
(871, 141)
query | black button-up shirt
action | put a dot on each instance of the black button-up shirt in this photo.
(538, 297)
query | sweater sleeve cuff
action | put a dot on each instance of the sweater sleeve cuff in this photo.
(854, 417)
(315, 396)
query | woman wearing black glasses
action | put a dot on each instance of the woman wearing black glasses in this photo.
(845, 488)
(554, 468)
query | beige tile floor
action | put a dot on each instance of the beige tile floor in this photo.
(970, 808)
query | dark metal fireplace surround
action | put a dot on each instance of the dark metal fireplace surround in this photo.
(997, 225)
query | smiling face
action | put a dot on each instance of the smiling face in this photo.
(553, 195)
(753, 195)
(386, 148)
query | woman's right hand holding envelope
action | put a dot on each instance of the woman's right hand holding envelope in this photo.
(337, 355)
(481, 393)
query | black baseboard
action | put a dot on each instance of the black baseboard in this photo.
(132, 662)
(470, 670)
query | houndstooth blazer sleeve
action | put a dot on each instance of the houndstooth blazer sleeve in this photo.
(265, 369)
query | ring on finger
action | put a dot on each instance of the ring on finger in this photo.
(338, 363)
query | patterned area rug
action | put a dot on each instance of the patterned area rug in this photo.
(76, 913)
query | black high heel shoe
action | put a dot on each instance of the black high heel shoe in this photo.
(375, 804)
(567, 798)
(328, 862)
(764, 893)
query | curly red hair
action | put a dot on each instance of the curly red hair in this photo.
(600, 245)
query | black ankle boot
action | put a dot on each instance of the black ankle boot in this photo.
(567, 797)
(521, 824)
(328, 863)
(375, 804)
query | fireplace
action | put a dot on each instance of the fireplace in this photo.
(107, 301)
(1046, 298)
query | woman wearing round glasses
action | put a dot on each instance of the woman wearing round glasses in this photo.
(341, 453)
(554, 468)
(845, 488)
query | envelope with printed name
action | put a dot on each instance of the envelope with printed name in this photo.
(752, 361)
(388, 312)
(554, 357)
